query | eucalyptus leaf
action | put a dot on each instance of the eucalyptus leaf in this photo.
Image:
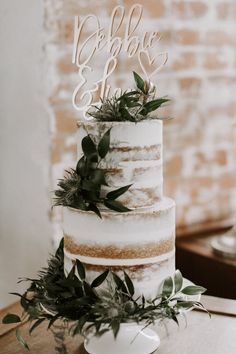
(36, 324)
(53, 320)
(11, 318)
(79, 203)
(17, 294)
(115, 325)
(193, 290)
(168, 286)
(69, 283)
(80, 324)
(174, 318)
(89, 291)
(129, 284)
(104, 144)
(95, 209)
(89, 185)
(132, 104)
(132, 94)
(201, 307)
(23, 301)
(91, 196)
(119, 282)
(20, 339)
(116, 206)
(71, 273)
(139, 82)
(98, 177)
(98, 326)
(178, 280)
(89, 147)
(126, 114)
(153, 105)
(93, 158)
(80, 269)
(81, 167)
(100, 279)
(185, 305)
(102, 331)
(117, 192)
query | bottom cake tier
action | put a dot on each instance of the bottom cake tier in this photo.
(147, 278)
(141, 242)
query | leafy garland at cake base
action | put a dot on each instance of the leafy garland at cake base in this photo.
(71, 305)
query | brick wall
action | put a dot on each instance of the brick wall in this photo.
(200, 76)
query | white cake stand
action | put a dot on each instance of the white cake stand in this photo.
(132, 338)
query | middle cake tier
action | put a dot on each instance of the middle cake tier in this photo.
(136, 237)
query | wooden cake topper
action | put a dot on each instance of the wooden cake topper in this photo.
(87, 46)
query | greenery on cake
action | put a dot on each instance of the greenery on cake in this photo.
(71, 305)
(82, 187)
(133, 106)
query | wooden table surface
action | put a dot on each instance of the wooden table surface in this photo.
(198, 262)
(204, 335)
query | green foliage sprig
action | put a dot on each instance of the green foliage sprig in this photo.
(81, 187)
(133, 106)
(75, 306)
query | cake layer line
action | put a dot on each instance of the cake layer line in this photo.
(134, 153)
(163, 207)
(117, 250)
(120, 262)
(138, 197)
(139, 176)
(131, 268)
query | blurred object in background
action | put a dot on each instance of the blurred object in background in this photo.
(25, 229)
(198, 262)
(225, 245)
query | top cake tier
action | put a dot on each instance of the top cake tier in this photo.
(135, 157)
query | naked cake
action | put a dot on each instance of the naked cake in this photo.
(141, 241)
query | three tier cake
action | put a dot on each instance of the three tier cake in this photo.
(142, 240)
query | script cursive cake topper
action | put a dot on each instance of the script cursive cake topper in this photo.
(121, 40)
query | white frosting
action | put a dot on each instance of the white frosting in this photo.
(147, 281)
(144, 226)
(124, 134)
(150, 175)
